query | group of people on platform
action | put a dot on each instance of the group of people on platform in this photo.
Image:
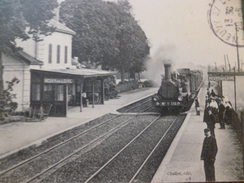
(217, 110)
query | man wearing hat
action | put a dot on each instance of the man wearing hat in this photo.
(209, 151)
(210, 120)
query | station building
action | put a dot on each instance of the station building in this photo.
(48, 74)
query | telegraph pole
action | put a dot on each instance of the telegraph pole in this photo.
(237, 49)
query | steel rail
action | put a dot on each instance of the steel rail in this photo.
(62, 143)
(138, 135)
(137, 105)
(80, 149)
(156, 146)
(55, 146)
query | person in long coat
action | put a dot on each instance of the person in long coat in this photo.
(197, 105)
(228, 113)
(210, 121)
(213, 94)
(84, 99)
(214, 106)
(221, 115)
(208, 155)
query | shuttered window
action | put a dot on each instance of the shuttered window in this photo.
(50, 47)
(58, 54)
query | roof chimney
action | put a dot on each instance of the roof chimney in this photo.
(56, 12)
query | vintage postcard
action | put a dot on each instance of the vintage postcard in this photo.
(121, 91)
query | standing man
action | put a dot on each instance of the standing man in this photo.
(221, 114)
(209, 151)
(214, 106)
(210, 120)
(213, 94)
(197, 105)
(84, 97)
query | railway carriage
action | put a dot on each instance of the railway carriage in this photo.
(177, 89)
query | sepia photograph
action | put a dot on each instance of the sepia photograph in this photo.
(121, 91)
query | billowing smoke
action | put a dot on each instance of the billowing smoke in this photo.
(155, 65)
(168, 55)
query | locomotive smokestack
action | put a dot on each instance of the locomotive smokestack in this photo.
(167, 72)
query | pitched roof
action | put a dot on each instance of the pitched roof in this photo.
(29, 59)
(61, 27)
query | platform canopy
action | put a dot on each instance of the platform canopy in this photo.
(85, 73)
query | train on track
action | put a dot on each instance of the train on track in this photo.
(177, 89)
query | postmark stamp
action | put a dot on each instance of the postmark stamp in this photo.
(225, 19)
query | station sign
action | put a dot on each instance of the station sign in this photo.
(221, 78)
(57, 80)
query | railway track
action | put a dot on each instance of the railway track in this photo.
(145, 103)
(29, 169)
(132, 154)
(115, 148)
(134, 158)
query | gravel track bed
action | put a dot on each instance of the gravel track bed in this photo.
(125, 165)
(57, 154)
(144, 107)
(85, 165)
(31, 151)
(132, 107)
(151, 166)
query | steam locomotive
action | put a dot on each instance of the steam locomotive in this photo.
(177, 89)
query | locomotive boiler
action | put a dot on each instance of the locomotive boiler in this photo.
(177, 89)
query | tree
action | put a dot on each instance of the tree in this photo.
(22, 19)
(133, 45)
(106, 34)
(94, 26)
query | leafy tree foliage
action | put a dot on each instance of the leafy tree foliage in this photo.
(95, 38)
(9, 96)
(17, 16)
(106, 34)
(22, 19)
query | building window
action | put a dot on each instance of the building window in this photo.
(58, 54)
(50, 53)
(48, 92)
(66, 54)
(36, 92)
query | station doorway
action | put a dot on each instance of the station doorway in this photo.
(55, 94)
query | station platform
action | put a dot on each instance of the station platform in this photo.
(19, 135)
(182, 162)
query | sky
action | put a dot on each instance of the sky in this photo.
(179, 30)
